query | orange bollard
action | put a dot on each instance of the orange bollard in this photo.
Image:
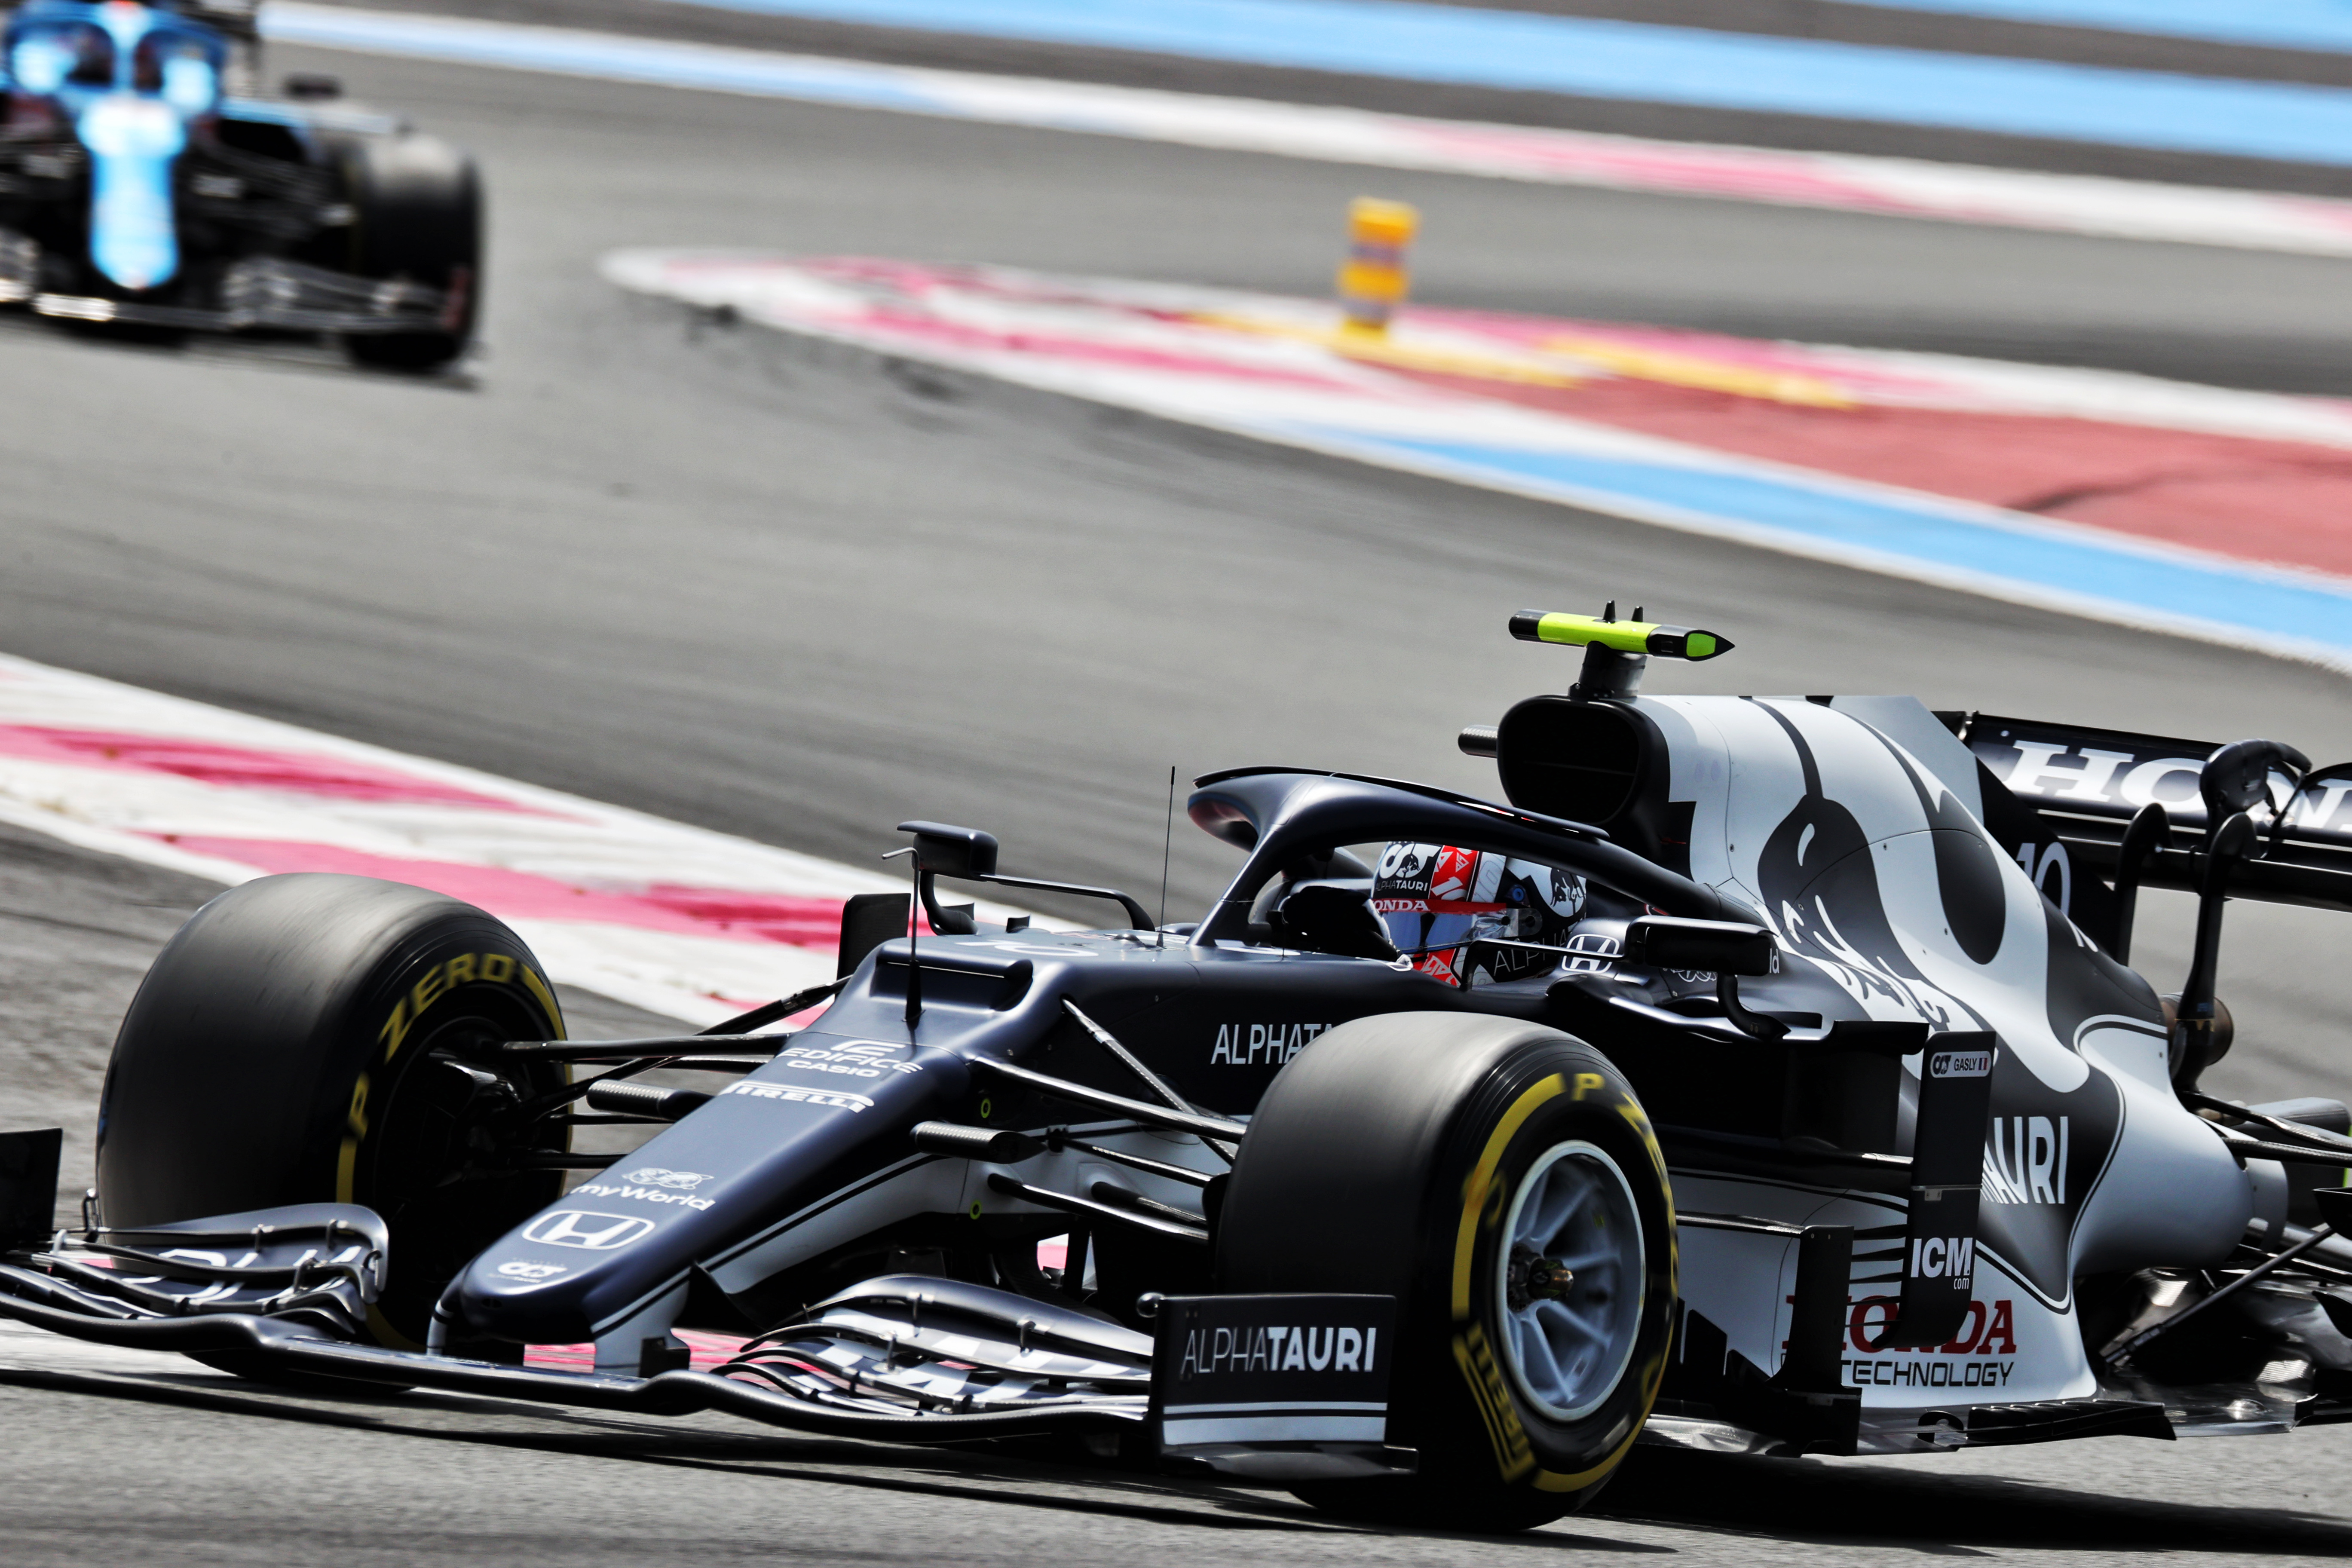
(1373, 279)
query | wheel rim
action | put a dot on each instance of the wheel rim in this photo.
(1568, 1340)
(429, 1167)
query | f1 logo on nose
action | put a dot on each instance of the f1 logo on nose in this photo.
(580, 1228)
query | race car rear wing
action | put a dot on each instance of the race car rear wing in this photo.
(2059, 797)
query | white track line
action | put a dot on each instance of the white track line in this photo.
(1895, 188)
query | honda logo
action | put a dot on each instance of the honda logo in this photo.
(579, 1227)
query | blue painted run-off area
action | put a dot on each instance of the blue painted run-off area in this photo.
(2273, 24)
(1662, 64)
(2273, 607)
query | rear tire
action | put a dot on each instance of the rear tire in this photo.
(319, 1037)
(1451, 1159)
(417, 204)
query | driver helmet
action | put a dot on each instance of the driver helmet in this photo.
(1438, 899)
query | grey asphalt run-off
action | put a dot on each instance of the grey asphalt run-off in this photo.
(800, 592)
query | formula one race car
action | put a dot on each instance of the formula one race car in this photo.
(141, 184)
(1765, 1076)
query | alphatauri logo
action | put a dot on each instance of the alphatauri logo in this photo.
(1255, 1044)
(587, 1229)
(1277, 1347)
(2025, 1160)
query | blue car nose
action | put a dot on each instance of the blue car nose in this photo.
(134, 141)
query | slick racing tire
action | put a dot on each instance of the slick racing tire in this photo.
(319, 1037)
(417, 215)
(1500, 1180)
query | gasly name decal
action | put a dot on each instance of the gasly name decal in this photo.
(1255, 1044)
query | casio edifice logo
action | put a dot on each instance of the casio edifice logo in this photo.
(533, 1272)
(587, 1229)
(851, 1058)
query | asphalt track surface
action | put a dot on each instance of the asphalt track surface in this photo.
(800, 592)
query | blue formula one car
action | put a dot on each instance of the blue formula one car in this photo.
(142, 184)
(1762, 1075)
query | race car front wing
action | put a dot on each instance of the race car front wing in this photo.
(906, 1358)
(263, 293)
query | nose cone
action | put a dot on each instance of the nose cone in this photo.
(133, 233)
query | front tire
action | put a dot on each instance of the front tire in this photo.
(319, 1037)
(1501, 1181)
(416, 207)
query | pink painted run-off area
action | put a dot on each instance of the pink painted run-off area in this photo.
(524, 895)
(910, 326)
(920, 331)
(244, 767)
(2278, 502)
(1957, 429)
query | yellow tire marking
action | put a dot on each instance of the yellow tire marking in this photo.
(496, 968)
(538, 988)
(1514, 1454)
(1482, 1177)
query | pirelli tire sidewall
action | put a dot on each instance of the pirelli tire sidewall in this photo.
(1402, 1140)
(1540, 1098)
(265, 1059)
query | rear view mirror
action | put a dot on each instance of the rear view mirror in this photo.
(1332, 916)
(1702, 947)
(952, 851)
